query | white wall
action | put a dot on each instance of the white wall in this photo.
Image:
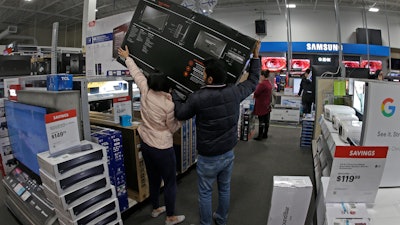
(310, 25)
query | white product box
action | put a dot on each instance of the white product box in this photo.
(350, 129)
(290, 201)
(355, 221)
(105, 213)
(67, 164)
(330, 110)
(77, 211)
(320, 201)
(337, 118)
(76, 181)
(335, 211)
(74, 197)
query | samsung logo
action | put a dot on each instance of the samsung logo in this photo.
(322, 47)
(362, 153)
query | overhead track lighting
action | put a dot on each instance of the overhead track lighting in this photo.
(291, 6)
(373, 9)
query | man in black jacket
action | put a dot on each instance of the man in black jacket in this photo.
(216, 107)
(307, 87)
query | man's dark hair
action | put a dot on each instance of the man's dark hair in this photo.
(216, 69)
(265, 73)
(158, 82)
(308, 71)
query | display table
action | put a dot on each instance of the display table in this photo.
(385, 210)
(285, 114)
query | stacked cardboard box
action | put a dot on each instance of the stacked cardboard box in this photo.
(135, 169)
(185, 145)
(112, 140)
(78, 184)
(291, 196)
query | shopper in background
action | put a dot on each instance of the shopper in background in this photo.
(378, 75)
(262, 106)
(216, 107)
(306, 92)
(156, 130)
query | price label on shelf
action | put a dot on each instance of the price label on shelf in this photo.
(122, 106)
(356, 173)
(62, 130)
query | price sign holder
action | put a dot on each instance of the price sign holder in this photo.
(356, 173)
(62, 131)
(122, 106)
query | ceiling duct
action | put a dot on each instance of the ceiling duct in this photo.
(8, 31)
(204, 7)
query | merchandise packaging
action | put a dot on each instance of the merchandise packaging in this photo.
(162, 29)
(59, 82)
(290, 201)
(336, 212)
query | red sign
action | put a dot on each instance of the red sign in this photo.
(361, 151)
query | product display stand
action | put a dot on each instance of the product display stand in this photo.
(383, 209)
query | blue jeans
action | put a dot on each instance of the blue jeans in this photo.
(210, 169)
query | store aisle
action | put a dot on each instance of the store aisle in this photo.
(255, 164)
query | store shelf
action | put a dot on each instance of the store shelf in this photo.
(104, 96)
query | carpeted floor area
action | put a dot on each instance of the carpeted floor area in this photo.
(255, 165)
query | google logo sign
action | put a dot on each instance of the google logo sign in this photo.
(391, 108)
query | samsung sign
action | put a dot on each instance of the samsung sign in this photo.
(326, 47)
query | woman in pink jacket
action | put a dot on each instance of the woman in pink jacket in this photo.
(156, 130)
(262, 105)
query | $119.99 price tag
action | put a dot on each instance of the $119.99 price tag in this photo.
(356, 173)
(62, 130)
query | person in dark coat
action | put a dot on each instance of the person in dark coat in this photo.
(306, 92)
(262, 106)
(216, 107)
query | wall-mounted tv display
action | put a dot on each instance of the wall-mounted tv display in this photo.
(351, 64)
(273, 64)
(300, 64)
(27, 132)
(373, 65)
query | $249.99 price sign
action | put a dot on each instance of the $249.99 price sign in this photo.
(356, 173)
(62, 130)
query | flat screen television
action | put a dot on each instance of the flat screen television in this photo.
(359, 96)
(273, 64)
(300, 64)
(27, 132)
(357, 73)
(15, 65)
(351, 64)
(373, 65)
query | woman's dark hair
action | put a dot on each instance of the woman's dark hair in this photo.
(216, 69)
(265, 73)
(158, 82)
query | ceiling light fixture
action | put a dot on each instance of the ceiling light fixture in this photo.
(291, 6)
(373, 9)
